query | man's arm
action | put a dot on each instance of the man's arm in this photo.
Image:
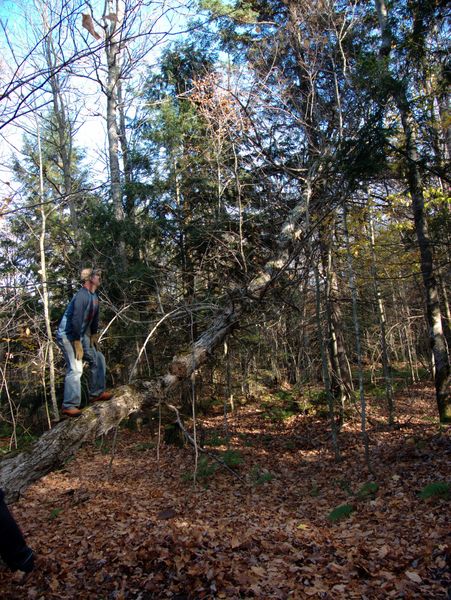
(95, 319)
(81, 302)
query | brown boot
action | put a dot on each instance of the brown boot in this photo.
(101, 397)
(71, 412)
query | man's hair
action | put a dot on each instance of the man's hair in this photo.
(87, 273)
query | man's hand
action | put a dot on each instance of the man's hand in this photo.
(78, 350)
(94, 340)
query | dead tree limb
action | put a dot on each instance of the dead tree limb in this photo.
(192, 441)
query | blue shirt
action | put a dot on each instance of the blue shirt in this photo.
(81, 316)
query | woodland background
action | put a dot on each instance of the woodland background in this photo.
(285, 160)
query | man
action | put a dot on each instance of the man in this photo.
(77, 337)
(13, 548)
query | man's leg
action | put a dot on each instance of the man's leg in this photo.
(13, 549)
(97, 369)
(74, 370)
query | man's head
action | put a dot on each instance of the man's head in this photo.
(90, 277)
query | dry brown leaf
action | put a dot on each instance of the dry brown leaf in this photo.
(413, 576)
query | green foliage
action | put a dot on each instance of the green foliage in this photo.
(280, 405)
(439, 490)
(368, 490)
(341, 512)
(314, 490)
(276, 413)
(144, 446)
(205, 470)
(54, 513)
(259, 476)
(232, 458)
(215, 441)
(244, 14)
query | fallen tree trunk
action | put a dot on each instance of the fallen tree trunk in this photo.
(56, 446)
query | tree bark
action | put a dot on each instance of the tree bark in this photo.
(45, 291)
(382, 324)
(358, 346)
(113, 55)
(437, 338)
(57, 445)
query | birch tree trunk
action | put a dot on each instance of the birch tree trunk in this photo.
(45, 291)
(113, 18)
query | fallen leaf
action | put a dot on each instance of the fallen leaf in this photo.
(414, 576)
(168, 513)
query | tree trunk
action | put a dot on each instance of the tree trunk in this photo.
(382, 326)
(45, 291)
(63, 124)
(57, 445)
(437, 338)
(358, 347)
(113, 49)
(340, 380)
(325, 369)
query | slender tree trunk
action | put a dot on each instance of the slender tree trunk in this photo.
(325, 368)
(382, 326)
(45, 291)
(339, 379)
(64, 129)
(407, 337)
(113, 51)
(447, 311)
(130, 206)
(357, 342)
(437, 338)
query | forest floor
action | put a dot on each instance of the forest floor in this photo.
(148, 532)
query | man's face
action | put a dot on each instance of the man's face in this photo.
(95, 279)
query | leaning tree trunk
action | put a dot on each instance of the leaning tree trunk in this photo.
(56, 446)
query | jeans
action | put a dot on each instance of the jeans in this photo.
(74, 370)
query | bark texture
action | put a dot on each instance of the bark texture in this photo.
(56, 446)
(415, 182)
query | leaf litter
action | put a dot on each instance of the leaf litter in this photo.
(149, 533)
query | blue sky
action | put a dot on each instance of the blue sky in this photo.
(8, 9)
